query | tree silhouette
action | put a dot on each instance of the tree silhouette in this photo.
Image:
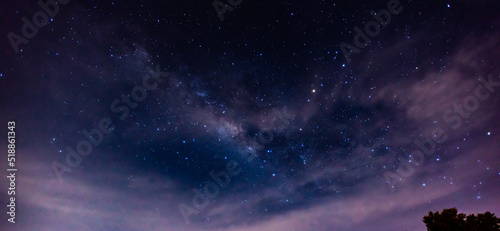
(451, 220)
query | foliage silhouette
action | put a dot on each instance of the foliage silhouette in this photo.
(451, 220)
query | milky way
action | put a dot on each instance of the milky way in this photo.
(249, 115)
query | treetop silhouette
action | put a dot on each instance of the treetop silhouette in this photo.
(451, 220)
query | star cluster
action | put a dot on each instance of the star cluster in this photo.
(259, 120)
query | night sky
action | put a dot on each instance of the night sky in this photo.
(259, 116)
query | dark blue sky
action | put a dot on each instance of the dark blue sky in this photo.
(157, 115)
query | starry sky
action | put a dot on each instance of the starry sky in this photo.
(249, 115)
